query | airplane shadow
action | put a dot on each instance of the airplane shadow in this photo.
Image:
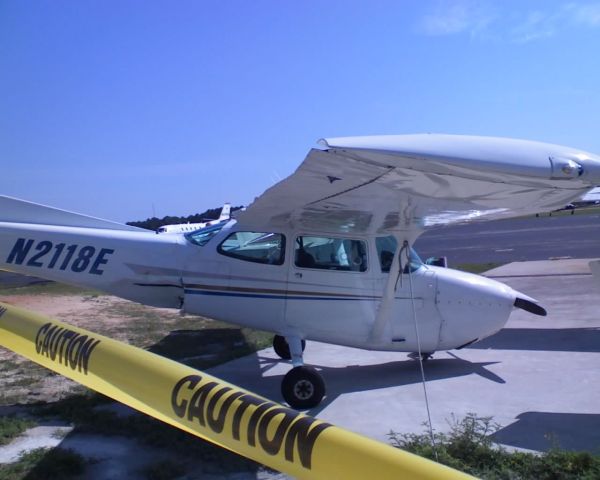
(543, 339)
(359, 378)
(354, 378)
(203, 348)
(543, 431)
(206, 348)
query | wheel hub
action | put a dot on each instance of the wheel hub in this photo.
(304, 389)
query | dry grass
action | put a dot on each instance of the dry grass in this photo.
(198, 341)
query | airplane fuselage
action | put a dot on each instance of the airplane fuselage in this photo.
(261, 282)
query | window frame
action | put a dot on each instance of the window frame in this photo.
(217, 228)
(415, 263)
(229, 254)
(364, 241)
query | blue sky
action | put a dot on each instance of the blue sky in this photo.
(119, 109)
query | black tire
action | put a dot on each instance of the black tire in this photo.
(282, 348)
(303, 388)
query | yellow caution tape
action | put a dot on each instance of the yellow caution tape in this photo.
(203, 405)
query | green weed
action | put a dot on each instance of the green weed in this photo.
(469, 447)
(476, 267)
(44, 464)
(12, 426)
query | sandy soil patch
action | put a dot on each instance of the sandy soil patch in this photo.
(22, 381)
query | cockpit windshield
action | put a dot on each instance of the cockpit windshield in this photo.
(386, 249)
(202, 236)
(414, 263)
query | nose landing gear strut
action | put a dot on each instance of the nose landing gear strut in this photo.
(302, 387)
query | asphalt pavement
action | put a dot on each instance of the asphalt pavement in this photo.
(502, 241)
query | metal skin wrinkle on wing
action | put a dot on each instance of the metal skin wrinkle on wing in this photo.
(325, 254)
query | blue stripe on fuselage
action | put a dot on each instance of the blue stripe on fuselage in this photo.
(257, 295)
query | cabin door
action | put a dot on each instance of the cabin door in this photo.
(330, 295)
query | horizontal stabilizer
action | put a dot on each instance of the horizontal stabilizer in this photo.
(14, 210)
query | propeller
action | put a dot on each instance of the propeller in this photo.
(530, 306)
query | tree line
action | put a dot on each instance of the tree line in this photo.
(154, 222)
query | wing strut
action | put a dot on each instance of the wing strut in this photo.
(387, 301)
(385, 310)
(403, 239)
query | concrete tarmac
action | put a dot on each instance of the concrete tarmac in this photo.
(539, 377)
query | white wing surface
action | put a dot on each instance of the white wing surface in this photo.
(15, 210)
(412, 182)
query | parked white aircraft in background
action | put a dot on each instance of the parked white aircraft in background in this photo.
(326, 253)
(593, 196)
(190, 227)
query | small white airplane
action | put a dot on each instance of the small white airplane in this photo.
(190, 227)
(593, 196)
(326, 254)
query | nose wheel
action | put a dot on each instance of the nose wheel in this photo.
(302, 387)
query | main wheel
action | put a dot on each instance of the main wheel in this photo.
(282, 348)
(303, 388)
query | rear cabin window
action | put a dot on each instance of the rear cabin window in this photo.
(331, 254)
(258, 247)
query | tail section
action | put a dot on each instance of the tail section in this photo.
(67, 247)
(13, 210)
(225, 212)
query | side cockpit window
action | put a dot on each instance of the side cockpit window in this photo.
(330, 254)
(386, 249)
(258, 247)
